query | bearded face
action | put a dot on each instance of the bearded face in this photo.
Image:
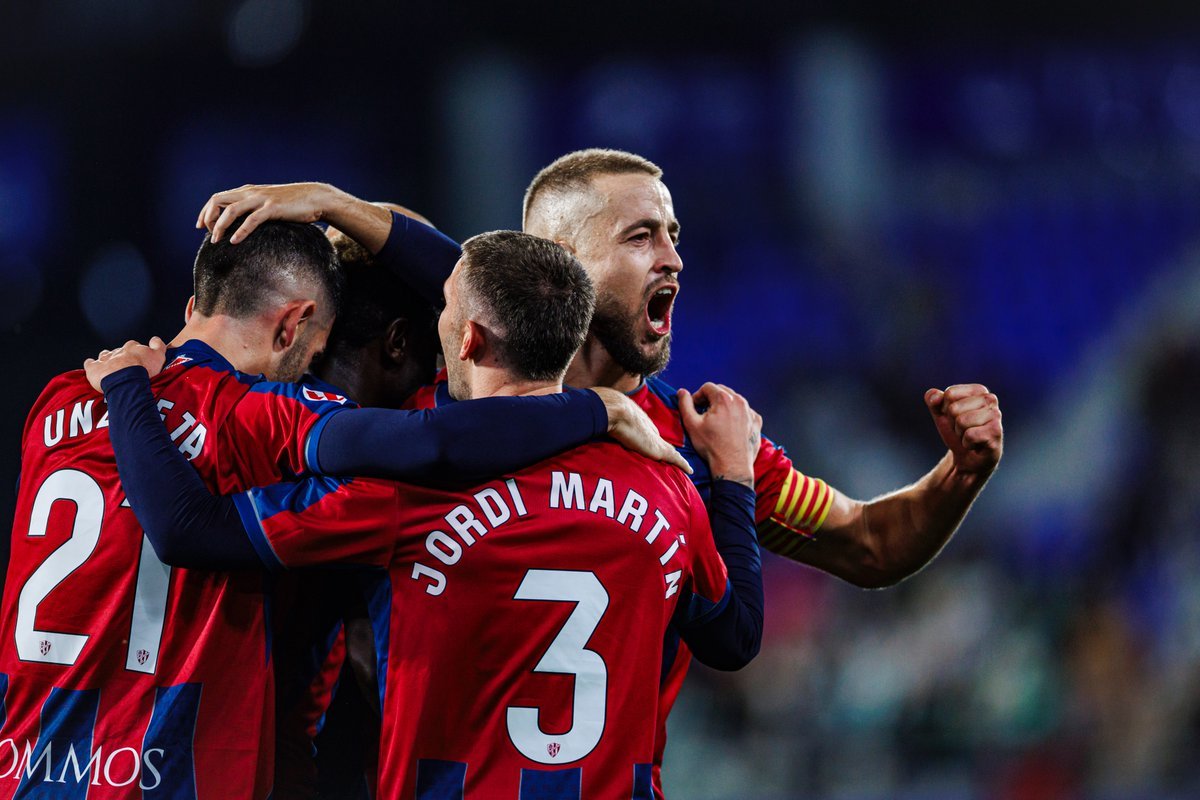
(638, 348)
(628, 248)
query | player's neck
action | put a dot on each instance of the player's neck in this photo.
(498, 382)
(593, 366)
(234, 339)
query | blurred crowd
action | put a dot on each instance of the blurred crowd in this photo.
(1052, 651)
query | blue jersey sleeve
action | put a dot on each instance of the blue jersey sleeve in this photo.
(728, 635)
(460, 443)
(421, 256)
(186, 525)
(288, 524)
(190, 527)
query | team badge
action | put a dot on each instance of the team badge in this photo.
(553, 749)
(142, 655)
(44, 646)
(318, 396)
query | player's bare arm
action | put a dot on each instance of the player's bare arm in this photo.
(630, 426)
(881, 542)
(727, 435)
(367, 223)
(131, 354)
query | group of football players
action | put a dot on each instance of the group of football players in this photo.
(517, 594)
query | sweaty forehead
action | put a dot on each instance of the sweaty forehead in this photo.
(633, 197)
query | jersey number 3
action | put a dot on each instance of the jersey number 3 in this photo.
(150, 596)
(567, 655)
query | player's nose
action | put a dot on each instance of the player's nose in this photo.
(668, 260)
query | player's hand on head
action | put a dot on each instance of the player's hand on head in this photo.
(968, 419)
(149, 357)
(291, 202)
(632, 428)
(727, 434)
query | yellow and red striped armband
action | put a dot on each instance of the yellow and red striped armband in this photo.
(801, 507)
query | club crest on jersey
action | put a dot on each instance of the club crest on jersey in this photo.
(142, 655)
(553, 749)
(44, 646)
(318, 396)
(178, 360)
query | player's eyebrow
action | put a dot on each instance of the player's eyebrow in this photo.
(653, 224)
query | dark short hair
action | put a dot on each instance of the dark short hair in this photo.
(536, 293)
(372, 298)
(239, 280)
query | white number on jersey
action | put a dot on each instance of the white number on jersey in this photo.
(567, 655)
(150, 596)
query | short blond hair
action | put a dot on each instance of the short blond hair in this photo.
(574, 172)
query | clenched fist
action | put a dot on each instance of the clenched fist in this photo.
(968, 418)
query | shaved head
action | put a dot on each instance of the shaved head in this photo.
(562, 197)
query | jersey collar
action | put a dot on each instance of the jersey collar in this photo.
(197, 351)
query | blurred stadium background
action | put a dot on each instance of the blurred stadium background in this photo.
(873, 202)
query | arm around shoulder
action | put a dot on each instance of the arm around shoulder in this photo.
(186, 524)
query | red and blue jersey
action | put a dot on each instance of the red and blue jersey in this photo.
(119, 674)
(789, 508)
(522, 644)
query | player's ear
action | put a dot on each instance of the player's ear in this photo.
(474, 342)
(187, 311)
(288, 321)
(395, 340)
(565, 245)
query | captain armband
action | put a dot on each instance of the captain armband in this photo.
(800, 509)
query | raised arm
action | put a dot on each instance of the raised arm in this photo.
(879, 543)
(366, 223)
(414, 251)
